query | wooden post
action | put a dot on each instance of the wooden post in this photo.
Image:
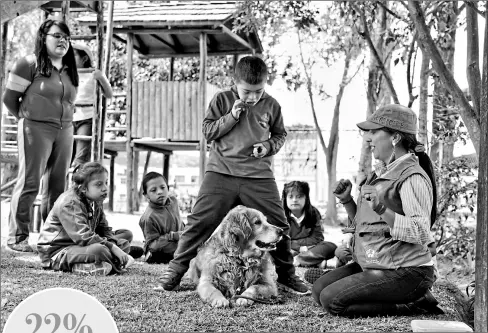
(65, 11)
(97, 133)
(166, 167)
(171, 69)
(146, 165)
(106, 70)
(3, 54)
(128, 119)
(481, 264)
(112, 179)
(134, 186)
(202, 100)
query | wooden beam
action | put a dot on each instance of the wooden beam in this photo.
(12, 9)
(106, 70)
(135, 192)
(192, 54)
(140, 44)
(65, 11)
(120, 39)
(166, 159)
(171, 69)
(202, 100)
(128, 120)
(237, 38)
(150, 31)
(165, 43)
(97, 132)
(112, 185)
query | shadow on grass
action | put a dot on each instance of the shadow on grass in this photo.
(137, 308)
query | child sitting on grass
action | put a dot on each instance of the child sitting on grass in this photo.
(76, 236)
(307, 239)
(161, 222)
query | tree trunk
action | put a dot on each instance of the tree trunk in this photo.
(423, 100)
(481, 265)
(331, 152)
(377, 91)
(427, 45)
(444, 106)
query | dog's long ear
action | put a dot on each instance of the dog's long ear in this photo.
(236, 230)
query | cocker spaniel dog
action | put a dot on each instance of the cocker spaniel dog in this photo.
(234, 262)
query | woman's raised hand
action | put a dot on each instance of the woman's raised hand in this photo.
(342, 189)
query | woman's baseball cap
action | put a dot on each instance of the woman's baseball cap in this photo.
(394, 116)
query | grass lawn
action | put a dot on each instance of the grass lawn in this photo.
(137, 308)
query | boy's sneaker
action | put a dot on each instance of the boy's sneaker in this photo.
(313, 274)
(22, 246)
(292, 283)
(169, 280)
(136, 251)
(93, 269)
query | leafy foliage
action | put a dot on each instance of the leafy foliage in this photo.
(454, 230)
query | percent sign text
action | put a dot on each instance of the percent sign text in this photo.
(69, 322)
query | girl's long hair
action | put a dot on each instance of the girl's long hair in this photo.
(84, 173)
(304, 189)
(44, 64)
(409, 142)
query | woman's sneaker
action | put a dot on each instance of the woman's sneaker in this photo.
(92, 269)
(313, 274)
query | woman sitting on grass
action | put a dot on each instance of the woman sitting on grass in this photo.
(76, 236)
(307, 238)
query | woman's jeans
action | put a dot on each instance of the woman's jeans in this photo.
(352, 292)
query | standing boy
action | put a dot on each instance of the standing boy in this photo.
(161, 222)
(245, 126)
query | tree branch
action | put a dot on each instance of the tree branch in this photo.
(475, 8)
(310, 95)
(388, 10)
(473, 68)
(411, 97)
(365, 34)
(427, 45)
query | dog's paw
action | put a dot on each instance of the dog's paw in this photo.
(244, 302)
(220, 302)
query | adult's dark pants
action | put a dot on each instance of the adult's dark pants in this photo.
(220, 193)
(44, 151)
(350, 291)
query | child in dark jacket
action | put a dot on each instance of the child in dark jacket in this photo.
(307, 238)
(76, 236)
(161, 222)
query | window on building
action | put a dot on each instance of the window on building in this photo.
(179, 179)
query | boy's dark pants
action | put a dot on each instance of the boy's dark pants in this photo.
(220, 193)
